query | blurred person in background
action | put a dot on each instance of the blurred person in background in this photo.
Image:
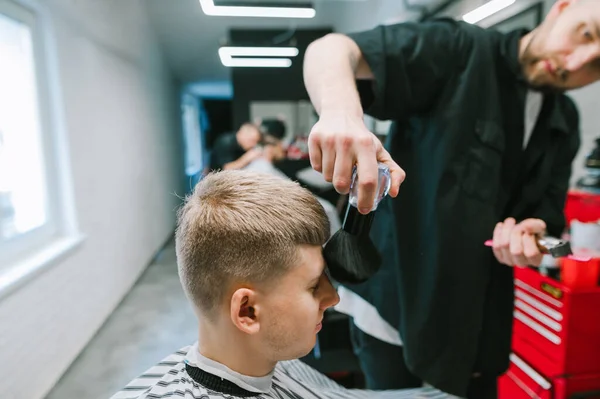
(236, 150)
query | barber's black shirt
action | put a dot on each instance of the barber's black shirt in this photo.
(456, 95)
(226, 149)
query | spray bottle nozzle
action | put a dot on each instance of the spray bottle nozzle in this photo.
(384, 182)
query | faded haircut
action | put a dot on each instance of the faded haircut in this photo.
(243, 227)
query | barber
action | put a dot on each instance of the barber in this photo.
(236, 150)
(486, 138)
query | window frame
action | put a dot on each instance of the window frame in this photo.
(24, 255)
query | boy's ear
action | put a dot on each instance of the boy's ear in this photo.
(244, 310)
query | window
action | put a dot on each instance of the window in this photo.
(23, 191)
(32, 196)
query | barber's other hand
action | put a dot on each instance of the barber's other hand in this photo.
(337, 142)
(515, 244)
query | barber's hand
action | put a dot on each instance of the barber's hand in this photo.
(338, 142)
(252, 154)
(515, 244)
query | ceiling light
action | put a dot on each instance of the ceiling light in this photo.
(258, 62)
(259, 51)
(486, 10)
(209, 8)
(227, 53)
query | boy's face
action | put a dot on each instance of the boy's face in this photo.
(292, 307)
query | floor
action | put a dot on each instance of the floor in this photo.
(153, 320)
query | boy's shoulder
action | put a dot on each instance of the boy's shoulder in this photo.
(166, 376)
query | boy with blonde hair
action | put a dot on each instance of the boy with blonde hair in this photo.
(249, 255)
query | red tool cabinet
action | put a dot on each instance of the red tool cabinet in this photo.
(521, 381)
(556, 340)
(556, 331)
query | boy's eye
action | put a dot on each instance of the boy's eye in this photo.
(587, 34)
(315, 287)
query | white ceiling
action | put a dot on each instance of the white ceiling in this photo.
(190, 39)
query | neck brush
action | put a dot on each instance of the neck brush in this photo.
(351, 256)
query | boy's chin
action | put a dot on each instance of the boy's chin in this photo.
(297, 355)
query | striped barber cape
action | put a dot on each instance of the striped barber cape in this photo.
(187, 374)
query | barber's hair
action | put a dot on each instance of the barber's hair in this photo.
(250, 125)
(243, 227)
(273, 127)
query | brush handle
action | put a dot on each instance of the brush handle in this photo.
(384, 182)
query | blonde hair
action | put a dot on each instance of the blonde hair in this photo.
(241, 226)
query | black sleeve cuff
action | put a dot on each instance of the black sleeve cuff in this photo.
(384, 101)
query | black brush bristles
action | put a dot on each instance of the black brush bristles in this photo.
(350, 254)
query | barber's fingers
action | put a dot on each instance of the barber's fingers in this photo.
(397, 174)
(344, 164)
(314, 152)
(509, 224)
(533, 226)
(328, 156)
(516, 244)
(531, 250)
(497, 242)
(504, 241)
(368, 171)
(516, 247)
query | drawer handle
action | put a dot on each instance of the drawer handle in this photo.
(522, 385)
(538, 316)
(555, 339)
(538, 293)
(556, 315)
(531, 373)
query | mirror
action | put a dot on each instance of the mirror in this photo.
(298, 116)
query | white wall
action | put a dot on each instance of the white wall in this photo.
(121, 112)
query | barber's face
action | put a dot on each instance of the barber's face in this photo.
(294, 308)
(248, 136)
(564, 52)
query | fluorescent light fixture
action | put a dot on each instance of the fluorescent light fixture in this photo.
(259, 51)
(227, 53)
(209, 8)
(486, 10)
(258, 62)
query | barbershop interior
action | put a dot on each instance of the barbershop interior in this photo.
(127, 124)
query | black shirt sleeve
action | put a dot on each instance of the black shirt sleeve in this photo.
(226, 149)
(411, 63)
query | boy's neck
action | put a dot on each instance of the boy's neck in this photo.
(232, 349)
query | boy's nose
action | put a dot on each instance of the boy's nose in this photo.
(331, 297)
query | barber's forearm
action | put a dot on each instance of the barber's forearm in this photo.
(242, 161)
(237, 164)
(331, 66)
